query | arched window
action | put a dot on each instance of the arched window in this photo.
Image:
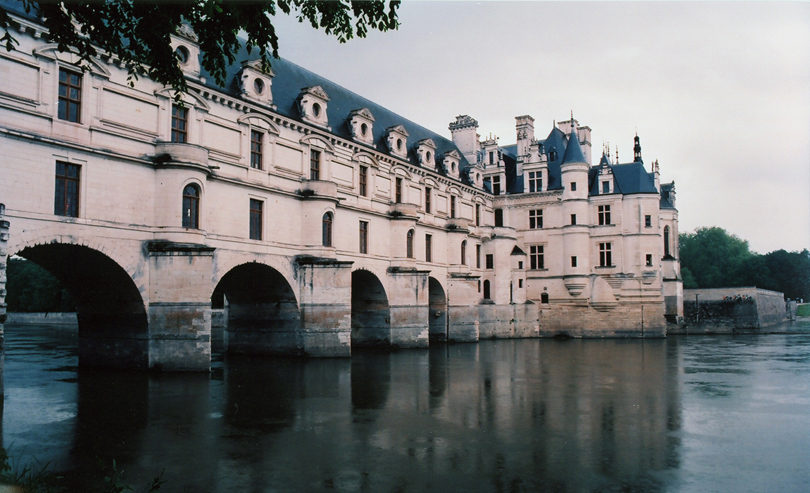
(544, 298)
(409, 244)
(498, 217)
(191, 207)
(486, 289)
(327, 229)
(464, 252)
(666, 242)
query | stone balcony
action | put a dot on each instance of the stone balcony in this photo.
(403, 211)
(177, 154)
(318, 189)
(458, 224)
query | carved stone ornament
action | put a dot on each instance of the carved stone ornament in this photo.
(187, 32)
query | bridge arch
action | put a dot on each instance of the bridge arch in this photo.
(437, 305)
(110, 306)
(371, 314)
(262, 312)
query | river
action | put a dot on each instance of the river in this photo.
(685, 414)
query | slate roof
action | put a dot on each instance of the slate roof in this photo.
(290, 78)
(666, 201)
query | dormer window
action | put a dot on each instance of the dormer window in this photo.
(360, 126)
(254, 83)
(186, 49)
(312, 105)
(397, 141)
(425, 152)
(450, 162)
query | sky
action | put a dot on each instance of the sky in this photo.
(719, 93)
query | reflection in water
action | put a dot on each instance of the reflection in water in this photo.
(525, 415)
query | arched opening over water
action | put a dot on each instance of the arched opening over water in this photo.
(437, 303)
(371, 316)
(261, 311)
(113, 324)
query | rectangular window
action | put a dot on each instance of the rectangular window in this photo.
(573, 261)
(573, 219)
(648, 221)
(491, 157)
(70, 96)
(573, 186)
(604, 215)
(520, 283)
(179, 124)
(536, 219)
(478, 214)
(490, 261)
(605, 255)
(428, 248)
(428, 193)
(649, 260)
(66, 197)
(535, 181)
(256, 219)
(398, 191)
(363, 181)
(477, 256)
(520, 265)
(605, 187)
(537, 257)
(452, 206)
(363, 236)
(496, 185)
(314, 165)
(256, 149)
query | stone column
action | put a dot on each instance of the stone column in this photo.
(408, 303)
(462, 307)
(325, 287)
(179, 306)
(4, 226)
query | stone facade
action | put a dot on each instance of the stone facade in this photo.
(315, 220)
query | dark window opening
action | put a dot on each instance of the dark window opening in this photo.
(70, 96)
(604, 215)
(452, 206)
(191, 207)
(326, 227)
(544, 298)
(605, 255)
(648, 221)
(536, 219)
(499, 217)
(537, 257)
(477, 256)
(477, 214)
(363, 236)
(363, 181)
(179, 124)
(314, 165)
(428, 193)
(66, 197)
(398, 192)
(409, 243)
(573, 261)
(428, 248)
(486, 290)
(573, 219)
(490, 261)
(464, 252)
(256, 149)
(605, 187)
(573, 186)
(649, 260)
(256, 219)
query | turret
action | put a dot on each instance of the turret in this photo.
(576, 235)
(637, 150)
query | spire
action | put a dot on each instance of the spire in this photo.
(573, 153)
(637, 149)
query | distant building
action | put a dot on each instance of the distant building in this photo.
(323, 219)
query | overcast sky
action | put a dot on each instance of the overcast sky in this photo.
(719, 92)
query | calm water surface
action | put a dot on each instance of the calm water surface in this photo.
(700, 413)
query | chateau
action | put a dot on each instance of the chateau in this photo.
(320, 220)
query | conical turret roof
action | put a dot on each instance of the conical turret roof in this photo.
(573, 153)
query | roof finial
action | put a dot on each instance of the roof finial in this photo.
(617, 153)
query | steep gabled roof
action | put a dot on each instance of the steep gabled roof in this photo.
(573, 152)
(632, 178)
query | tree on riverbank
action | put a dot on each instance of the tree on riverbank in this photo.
(713, 258)
(30, 288)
